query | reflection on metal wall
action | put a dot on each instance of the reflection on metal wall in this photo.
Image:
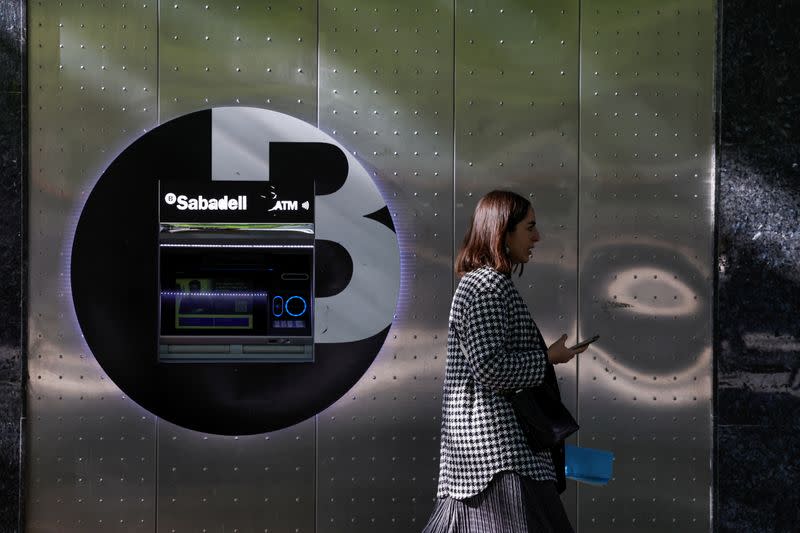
(646, 252)
(248, 53)
(91, 458)
(602, 114)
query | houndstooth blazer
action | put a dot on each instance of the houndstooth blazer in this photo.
(502, 351)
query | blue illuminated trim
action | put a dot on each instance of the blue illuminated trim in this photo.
(176, 245)
(177, 293)
(286, 306)
(283, 307)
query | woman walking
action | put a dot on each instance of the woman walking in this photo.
(490, 480)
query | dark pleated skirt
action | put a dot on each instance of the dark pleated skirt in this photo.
(510, 504)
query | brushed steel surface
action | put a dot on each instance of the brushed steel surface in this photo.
(385, 93)
(249, 483)
(516, 128)
(258, 54)
(646, 228)
(441, 102)
(92, 88)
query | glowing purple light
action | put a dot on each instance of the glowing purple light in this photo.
(248, 294)
(175, 245)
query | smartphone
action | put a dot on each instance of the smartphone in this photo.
(584, 343)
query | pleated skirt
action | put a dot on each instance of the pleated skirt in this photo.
(510, 504)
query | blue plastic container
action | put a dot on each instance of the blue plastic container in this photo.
(588, 465)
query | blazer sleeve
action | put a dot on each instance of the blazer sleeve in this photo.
(485, 328)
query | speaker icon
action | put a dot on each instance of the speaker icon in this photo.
(305, 205)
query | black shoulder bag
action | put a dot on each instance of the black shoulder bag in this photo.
(544, 419)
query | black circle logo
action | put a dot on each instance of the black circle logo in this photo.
(114, 272)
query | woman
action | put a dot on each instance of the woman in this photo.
(489, 478)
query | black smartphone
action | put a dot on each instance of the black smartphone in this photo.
(584, 343)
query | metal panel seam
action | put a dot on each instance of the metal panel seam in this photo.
(578, 253)
(453, 111)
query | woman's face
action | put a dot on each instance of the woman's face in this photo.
(522, 238)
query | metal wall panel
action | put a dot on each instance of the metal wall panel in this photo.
(647, 182)
(250, 53)
(442, 103)
(386, 94)
(516, 128)
(92, 88)
(250, 483)
(260, 55)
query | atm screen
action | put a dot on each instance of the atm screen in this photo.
(208, 303)
(236, 292)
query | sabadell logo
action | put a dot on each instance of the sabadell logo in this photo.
(184, 203)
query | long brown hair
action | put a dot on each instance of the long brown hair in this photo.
(496, 214)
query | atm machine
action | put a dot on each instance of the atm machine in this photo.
(236, 272)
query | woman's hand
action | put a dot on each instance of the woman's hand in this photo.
(559, 353)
